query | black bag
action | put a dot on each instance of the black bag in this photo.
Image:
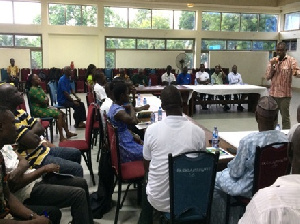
(101, 201)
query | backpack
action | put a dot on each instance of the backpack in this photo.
(101, 201)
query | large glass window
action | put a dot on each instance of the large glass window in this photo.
(268, 23)
(120, 43)
(28, 41)
(249, 22)
(6, 8)
(180, 44)
(239, 45)
(150, 44)
(110, 59)
(162, 19)
(211, 21)
(213, 44)
(140, 18)
(264, 45)
(184, 20)
(115, 17)
(27, 12)
(36, 59)
(230, 22)
(72, 15)
(292, 21)
(6, 40)
(291, 45)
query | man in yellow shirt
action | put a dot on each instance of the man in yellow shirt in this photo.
(13, 72)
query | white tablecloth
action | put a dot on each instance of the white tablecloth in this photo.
(228, 89)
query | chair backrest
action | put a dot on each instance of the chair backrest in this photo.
(90, 98)
(53, 92)
(271, 162)
(89, 123)
(4, 75)
(192, 180)
(29, 103)
(113, 142)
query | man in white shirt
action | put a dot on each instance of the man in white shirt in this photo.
(202, 78)
(175, 134)
(235, 78)
(100, 81)
(168, 78)
(277, 204)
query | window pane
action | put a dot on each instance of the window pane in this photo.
(211, 21)
(57, 14)
(28, 41)
(150, 44)
(140, 18)
(190, 63)
(180, 44)
(204, 59)
(109, 59)
(264, 45)
(89, 15)
(6, 9)
(230, 22)
(213, 45)
(115, 17)
(36, 59)
(23, 17)
(292, 21)
(162, 19)
(73, 14)
(6, 40)
(267, 23)
(120, 43)
(238, 45)
(184, 20)
(249, 22)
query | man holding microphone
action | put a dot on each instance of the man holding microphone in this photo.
(280, 71)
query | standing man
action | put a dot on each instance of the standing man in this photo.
(64, 98)
(280, 71)
(168, 78)
(235, 78)
(202, 78)
(13, 73)
(184, 78)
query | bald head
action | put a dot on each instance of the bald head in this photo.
(67, 70)
(171, 98)
(10, 96)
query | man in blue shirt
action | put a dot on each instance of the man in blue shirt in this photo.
(64, 98)
(184, 78)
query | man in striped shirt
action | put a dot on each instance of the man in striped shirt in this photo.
(280, 71)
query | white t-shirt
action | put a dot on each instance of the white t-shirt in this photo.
(203, 76)
(168, 78)
(277, 204)
(176, 135)
(234, 79)
(100, 92)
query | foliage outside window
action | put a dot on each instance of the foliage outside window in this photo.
(18, 12)
(115, 17)
(268, 23)
(211, 21)
(292, 21)
(213, 44)
(180, 44)
(36, 59)
(72, 15)
(184, 20)
(150, 44)
(264, 45)
(249, 22)
(120, 43)
(28, 41)
(110, 59)
(140, 18)
(162, 19)
(244, 45)
(230, 22)
(6, 40)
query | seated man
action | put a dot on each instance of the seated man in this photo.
(202, 78)
(140, 79)
(175, 134)
(217, 79)
(237, 178)
(13, 73)
(168, 78)
(184, 78)
(38, 152)
(277, 204)
(9, 204)
(235, 78)
(64, 99)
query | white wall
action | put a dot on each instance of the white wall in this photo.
(251, 65)
(146, 59)
(21, 56)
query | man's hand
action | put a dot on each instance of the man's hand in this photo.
(76, 102)
(23, 162)
(146, 107)
(137, 139)
(50, 168)
(48, 144)
(274, 61)
(40, 220)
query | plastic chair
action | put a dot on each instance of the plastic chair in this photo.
(52, 85)
(271, 162)
(192, 181)
(129, 172)
(4, 75)
(85, 146)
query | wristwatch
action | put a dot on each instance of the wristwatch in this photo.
(32, 216)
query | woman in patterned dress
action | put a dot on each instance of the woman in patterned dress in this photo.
(40, 106)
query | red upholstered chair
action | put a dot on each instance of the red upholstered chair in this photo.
(84, 146)
(271, 162)
(129, 172)
(24, 74)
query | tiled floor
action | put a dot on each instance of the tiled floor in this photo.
(230, 121)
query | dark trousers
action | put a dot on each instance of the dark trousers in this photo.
(146, 215)
(79, 111)
(62, 192)
(54, 214)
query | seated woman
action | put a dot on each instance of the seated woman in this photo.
(121, 114)
(40, 106)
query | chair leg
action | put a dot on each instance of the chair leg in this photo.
(90, 166)
(118, 202)
(69, 115)
(51, 131)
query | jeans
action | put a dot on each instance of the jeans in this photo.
(53, 212)
(62, 192)
(68, 159)
(79, 111)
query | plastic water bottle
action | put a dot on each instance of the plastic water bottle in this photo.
(277, 127)
(149, 82)
(159, 114)
(215, 138)
(145, 101)
(152, 117)
(139, 99)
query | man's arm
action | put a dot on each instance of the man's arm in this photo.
(123, 116)
(271, 69)
(37, 128)
(30, 140)
(146, 165)
(295, 68)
